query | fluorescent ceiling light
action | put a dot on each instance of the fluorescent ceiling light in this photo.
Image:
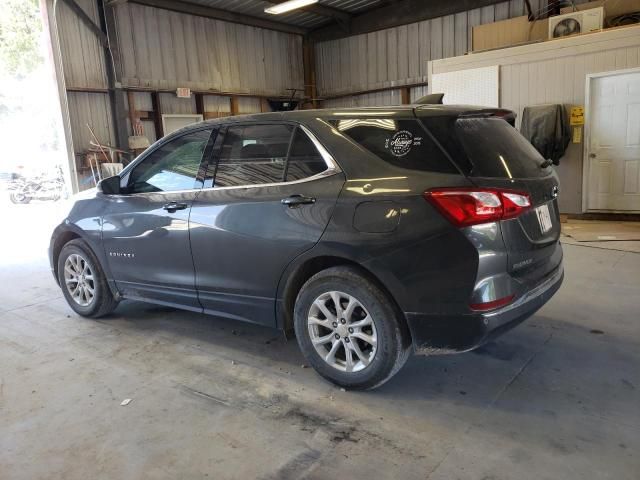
(288, 6)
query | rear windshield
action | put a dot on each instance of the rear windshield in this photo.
(403, 143)
(486, 147)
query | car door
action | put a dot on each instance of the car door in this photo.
(146, 228)
(274, 191)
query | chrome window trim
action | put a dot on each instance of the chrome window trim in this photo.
(332, 169)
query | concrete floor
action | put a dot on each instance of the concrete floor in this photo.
(557, 398)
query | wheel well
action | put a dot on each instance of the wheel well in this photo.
(309, 269)
(61, 241)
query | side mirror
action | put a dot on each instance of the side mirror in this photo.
(109, 186)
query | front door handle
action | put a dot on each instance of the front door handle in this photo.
(171, 207)
(295, 200)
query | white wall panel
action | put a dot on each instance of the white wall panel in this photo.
(555, 72)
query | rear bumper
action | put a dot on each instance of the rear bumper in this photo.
(438, 334)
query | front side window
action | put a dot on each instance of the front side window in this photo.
(402, 143)
(172, 167)
(253, 155)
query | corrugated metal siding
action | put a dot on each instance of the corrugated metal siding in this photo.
(161, 49)
(92, 109)
(169, 103)
(214, 103)
(249, 105)
(82, 54)
(399, 56)
(387, 97)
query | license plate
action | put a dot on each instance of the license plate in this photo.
(544, 218)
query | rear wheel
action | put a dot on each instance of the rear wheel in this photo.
(83, 282)
(349, 330)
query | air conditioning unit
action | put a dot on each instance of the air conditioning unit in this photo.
(573, 23)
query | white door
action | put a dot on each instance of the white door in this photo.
(613, 149)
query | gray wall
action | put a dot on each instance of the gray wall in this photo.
(162, 50)
(399, 55)
(83, 62)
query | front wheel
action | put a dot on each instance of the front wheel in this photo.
(349, 330)
(19, 198)
(83, 282)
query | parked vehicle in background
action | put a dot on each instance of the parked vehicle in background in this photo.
(42, 187)
(369, 231)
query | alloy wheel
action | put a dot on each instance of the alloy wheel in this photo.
(342, 331)
(78, 279)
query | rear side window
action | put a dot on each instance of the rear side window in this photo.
(253, 155)
(304, 159)
(402, 143)
(487, 147)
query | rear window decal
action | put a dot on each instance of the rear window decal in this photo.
(401, 142)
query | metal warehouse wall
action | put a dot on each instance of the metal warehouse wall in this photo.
(555, 72)
(399, 55)
(84, 68)
(162, 50)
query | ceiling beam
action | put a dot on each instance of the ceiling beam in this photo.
(322, 10)
(395, 13)
(218, 14)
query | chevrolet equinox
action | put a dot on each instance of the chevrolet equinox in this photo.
(370, 232)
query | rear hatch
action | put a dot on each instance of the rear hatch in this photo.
(492, 154)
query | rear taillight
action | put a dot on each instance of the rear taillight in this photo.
(492, 305)
(471, 206)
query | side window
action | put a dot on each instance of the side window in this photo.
(403, 143)
(172, 167)
(253, 155)
(304, 158)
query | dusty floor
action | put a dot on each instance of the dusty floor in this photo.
(557, 398)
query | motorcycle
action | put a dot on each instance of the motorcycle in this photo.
(23, 190)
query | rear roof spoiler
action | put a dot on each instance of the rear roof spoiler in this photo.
(465, 111)
(431, 99)
(508, 115)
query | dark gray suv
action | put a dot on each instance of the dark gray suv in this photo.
(368, 231)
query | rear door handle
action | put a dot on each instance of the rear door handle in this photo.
(173, 206)
(295, 200)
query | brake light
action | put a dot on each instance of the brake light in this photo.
(485, 306)
(471, 206)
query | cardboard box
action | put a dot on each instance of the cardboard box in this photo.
(506, 33)
(519, 30)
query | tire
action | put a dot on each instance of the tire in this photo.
(102, 301)
(372, 305)
(19, 199)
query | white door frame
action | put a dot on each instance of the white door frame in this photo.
(587, 132)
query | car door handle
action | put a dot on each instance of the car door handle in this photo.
(295, 200)
(173, 206)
